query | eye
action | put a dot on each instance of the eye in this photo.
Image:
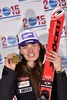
(34, 44)
(24, 47)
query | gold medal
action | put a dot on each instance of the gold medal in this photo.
(16, 59)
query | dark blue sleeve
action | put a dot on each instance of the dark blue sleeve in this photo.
(54, 95)
(62, 86)
(59, 90)
(7, 84)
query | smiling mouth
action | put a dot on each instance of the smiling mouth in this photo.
(31, 55)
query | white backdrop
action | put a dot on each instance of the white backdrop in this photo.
(18, 15)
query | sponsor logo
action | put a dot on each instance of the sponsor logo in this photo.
(22, 0)
(0, 57)
(32, 21)
(27, 35)
(24, 90)
(11, 40)
(58, 12)
(10, 12)
(54, 45)
(6, 11)
(52, 3)
(23, 84)
(64, 61)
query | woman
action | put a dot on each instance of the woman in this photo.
(24, 79)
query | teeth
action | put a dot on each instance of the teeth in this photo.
(31, 55)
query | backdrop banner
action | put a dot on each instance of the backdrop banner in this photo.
(18, 15)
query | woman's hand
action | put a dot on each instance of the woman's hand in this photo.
(55, 59)
(9, 63)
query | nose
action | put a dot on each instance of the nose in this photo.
(30, 49)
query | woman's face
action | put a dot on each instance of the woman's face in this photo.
(30, 52)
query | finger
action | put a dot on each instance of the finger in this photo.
(51, 59)
(10, 56)
(53, 54)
